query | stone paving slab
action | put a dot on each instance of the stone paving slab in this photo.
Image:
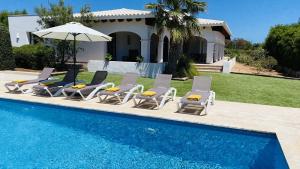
(283, 121)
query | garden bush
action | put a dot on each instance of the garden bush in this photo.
(231, 53)
(6, 57)
(34, 56)
(283, 42)
(185, 67)
(254, 57)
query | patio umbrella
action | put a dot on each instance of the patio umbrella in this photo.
(75, 32)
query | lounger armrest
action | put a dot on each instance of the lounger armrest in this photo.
(212, 97)
(137, 88)
(140, 87)
(108, 84)
(174, 92)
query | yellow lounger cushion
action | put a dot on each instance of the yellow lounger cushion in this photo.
(194, 97)
(79, 86)
(149, 93)
(112, 89)
(19, 81)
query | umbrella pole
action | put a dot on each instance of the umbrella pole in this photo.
(74, 59)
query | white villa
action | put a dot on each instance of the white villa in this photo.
(134, 34)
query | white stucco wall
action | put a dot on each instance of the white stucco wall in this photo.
(215, 45)
(137, 27)
(91, 51)
(228, 65)
(213, 36)
(143, 69)
(20, 26)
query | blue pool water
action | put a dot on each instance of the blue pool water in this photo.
(43, 136)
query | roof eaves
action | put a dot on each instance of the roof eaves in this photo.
(209, 22)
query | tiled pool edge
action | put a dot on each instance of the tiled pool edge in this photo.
(65, 103)
(140, 115)
(143, 116)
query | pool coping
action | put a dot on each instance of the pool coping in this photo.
(143, 116)
(70, 104)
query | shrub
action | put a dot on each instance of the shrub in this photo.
(283, 42)
(108, 57)
(245, 58)
(185, 67)
(254, 57)
(34, 56)
(232, 53)
(269, 62)
(260, 57)
(139, 59)
(6, 57)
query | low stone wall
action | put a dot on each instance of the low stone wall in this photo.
(228, 65)
(143, 69)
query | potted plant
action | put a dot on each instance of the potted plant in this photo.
(139, 59)
(108, 57)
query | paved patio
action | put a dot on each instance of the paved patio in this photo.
(283, 121)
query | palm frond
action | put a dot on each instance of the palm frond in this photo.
(193, 7)
(151, 6)
(178, 16)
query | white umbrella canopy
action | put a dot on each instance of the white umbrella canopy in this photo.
(73, 31)
(67, 32)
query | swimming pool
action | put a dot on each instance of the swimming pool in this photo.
(43, 136)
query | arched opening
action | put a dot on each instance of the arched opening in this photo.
(196, 48)
(153, 48)
(125, 46)
(166, 49)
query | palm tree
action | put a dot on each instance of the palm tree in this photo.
(179, 18)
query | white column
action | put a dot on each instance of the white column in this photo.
(210, 52)
(217, 52)
(145, 49)
(160, 51)
(222, 52)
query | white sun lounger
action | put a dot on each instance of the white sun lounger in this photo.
(15, 86)
(128, 87)
(162, 90)
(202, 87)
(91, 89)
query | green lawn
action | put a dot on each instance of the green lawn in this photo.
(237, 88)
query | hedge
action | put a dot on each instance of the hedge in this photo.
(283, 43)
(34, 56)
(6, 57)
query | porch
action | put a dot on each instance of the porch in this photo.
(127, 46)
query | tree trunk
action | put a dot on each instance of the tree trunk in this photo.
(176, 48)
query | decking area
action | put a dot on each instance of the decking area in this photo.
(280, 120)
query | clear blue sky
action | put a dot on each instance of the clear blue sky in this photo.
(249, 19)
